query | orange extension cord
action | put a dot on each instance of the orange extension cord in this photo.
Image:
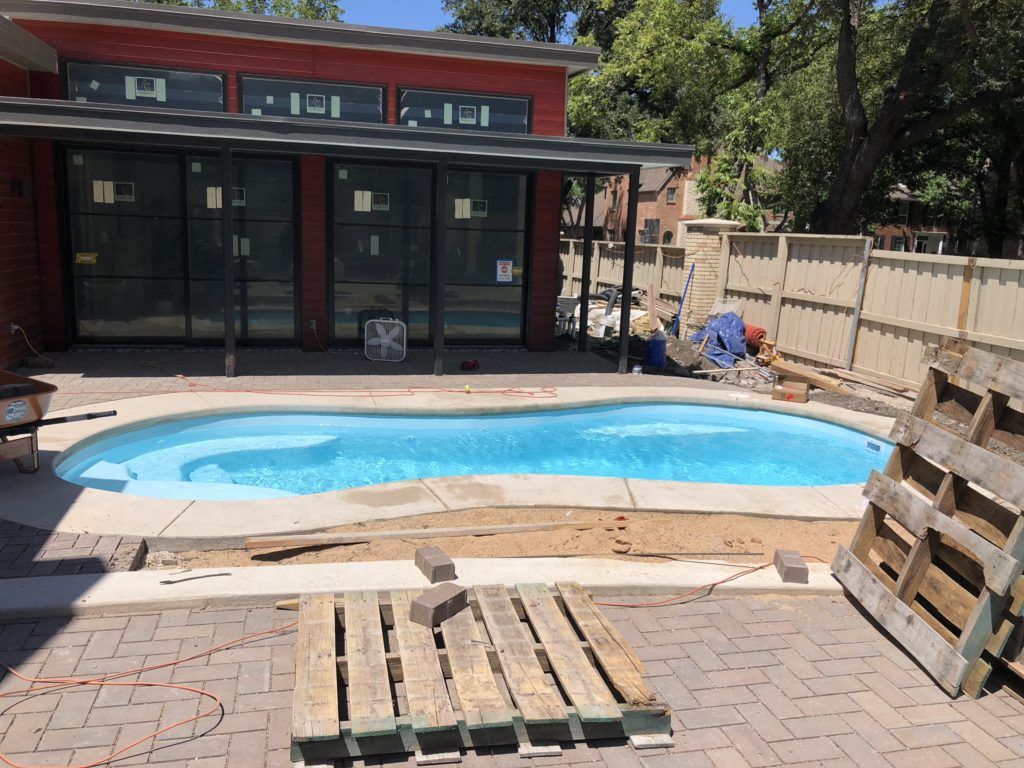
(38, 685)
(709, 587)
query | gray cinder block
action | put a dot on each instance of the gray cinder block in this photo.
(438, 603)
(435, 564)
(791, 567)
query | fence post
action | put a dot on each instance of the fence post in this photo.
(965, 297)
(855, 325)
(783, 256)
(659, 269)
(723, 266)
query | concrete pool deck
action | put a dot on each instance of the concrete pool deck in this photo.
(46, 501)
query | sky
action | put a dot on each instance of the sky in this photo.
(426, 14)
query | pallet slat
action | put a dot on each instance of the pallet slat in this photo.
(534, 693)
(624, 669)
(370, 709)
(315, 701)
(581, 682)
(480, 701)
(430, 707)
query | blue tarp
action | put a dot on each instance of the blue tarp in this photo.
(724, 332)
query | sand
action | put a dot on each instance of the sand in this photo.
(651, 535)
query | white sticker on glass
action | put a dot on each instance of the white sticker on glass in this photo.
(381, 201)
(485, 116)
(97, 191)
(448, 114)
(213, 197)
(77, 159)
(129, 87)
(161, 89)
(197, 167)
(108, 192)
(316, 104)
(295, 103)
(467, 115)
(375, 245)
(256, 111)
(270, 99)
(343, 173)
(335, 107)
(124, 191)
(412, 124)
(427, 113)
(245, 246)
(94, 85)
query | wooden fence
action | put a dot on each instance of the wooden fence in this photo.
(832, 300)
(658, 265)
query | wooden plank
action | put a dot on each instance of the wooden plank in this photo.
(930, 650)
(15, 449)
(315, 715)
(582, 684)
(809, 375)
(1003, 374)
(297, 541)
(480, 701)
(371, 710)
(917, 516)
(623, 667)
(533, 692)
(1000, 476)
(430, 707)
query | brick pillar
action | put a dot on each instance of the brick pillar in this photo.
(702, 239)
(314, 251)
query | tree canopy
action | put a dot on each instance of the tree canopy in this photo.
(328, 10)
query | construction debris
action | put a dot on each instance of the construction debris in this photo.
(939, 555)
(435, 564)
(438, 604)
(797, 372)
(791, 567)
(790, 391)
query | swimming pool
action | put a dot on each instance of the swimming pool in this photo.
(278, 454)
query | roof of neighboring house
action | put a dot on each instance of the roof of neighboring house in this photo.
(203, 21)
(655, 179)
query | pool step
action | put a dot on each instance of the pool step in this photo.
(373, 682)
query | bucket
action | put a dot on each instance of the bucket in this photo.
(656, 351)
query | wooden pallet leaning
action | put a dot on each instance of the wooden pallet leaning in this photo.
(937, 558)
(371, 682)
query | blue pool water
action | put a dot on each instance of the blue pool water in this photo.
(284, 453)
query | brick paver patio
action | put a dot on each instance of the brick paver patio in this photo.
(753, 682)
(86, 377)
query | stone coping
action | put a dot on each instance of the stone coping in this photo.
(260, 586)
(44, 500)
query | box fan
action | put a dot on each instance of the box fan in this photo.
(385, 340)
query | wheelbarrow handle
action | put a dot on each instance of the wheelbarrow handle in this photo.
(69, 419)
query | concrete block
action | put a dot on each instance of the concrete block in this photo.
(435, 564)
(438, 603)
(791, 567)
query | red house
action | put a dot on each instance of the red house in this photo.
(162, 168)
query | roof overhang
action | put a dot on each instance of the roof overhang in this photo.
(128, 125)
(24, 49)
(203, 21)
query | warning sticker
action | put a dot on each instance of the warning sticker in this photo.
(504, 270)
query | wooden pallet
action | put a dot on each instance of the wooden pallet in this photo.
(526, 666)
(937, 558)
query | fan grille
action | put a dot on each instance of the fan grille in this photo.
(385, 340)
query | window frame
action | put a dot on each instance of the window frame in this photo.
(671, 195)
(314, 81)
(65, 82)
(458, 92)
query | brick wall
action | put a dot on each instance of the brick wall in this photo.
(704, 249)
(19, 279)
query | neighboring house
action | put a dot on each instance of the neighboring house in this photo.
(911, 228)
(668, 196)
(117, 118)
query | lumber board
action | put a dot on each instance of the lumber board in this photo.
(315, 714)
(623, 667)
(370, 708)
(298, 541)
(582, 684)
(886, 387)
(984, 369)
(480, 700)
(809, 375)
(931, 650)
(15, 449)
(1001, 476)
(917, 516)
(430, 706)
(533, 692)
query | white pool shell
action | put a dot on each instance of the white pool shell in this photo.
(46, 501)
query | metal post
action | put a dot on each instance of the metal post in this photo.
(627, 270)
(588, 252)
(437, 264)
(227, 229)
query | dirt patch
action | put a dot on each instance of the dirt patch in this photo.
(651, 536)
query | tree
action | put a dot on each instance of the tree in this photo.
(960, 56)
(550, 21)
(327, 10)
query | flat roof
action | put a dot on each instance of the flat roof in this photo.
(204, 21)
(124, 125)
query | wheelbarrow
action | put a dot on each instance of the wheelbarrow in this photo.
(23, 406)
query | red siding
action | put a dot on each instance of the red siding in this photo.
(314, 252)
(540, 333)
(19, 280)
(238, 56)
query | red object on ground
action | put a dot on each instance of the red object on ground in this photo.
(755, 335)
(470, 365)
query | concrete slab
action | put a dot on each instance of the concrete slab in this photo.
(798, 503)
(260, 586)
(531, 491)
